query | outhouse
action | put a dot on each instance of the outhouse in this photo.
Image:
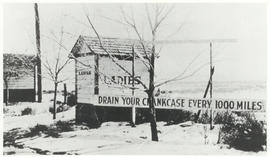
(104, 66)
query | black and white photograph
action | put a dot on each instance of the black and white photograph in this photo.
(134, 78)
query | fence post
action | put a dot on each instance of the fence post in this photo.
(65, 93)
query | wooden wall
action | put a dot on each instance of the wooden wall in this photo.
(107, 71)
(24, 82)
(85, 78)
(21, 87)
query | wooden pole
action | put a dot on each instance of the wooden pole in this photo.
(35, 84)
(96, 89)
(211, 84)
(37, 24)
(65, 93)
(133, 78)
(205, 93)
(211, 87)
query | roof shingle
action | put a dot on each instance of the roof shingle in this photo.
(114, 46)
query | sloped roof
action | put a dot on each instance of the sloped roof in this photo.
(114, 46)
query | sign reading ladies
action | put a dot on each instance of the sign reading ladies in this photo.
(181, 103)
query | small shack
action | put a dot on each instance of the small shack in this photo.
(19, 77)
(97, 72)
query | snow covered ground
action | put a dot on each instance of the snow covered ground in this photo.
(111, 137)
(118, 138)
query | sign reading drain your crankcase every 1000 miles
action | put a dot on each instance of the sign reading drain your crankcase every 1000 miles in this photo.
(181, 103)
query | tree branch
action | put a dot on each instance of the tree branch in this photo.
(110, 56)
(181, 78)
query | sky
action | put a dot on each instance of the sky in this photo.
(244, 60)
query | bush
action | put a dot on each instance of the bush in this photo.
(169, 116)
(142, 115)
(26, 111)
(219, 118)
(59, 109)
(53, 130)
(63, 126)
(224, 117)
(178, 116)
(52, 133)
(71, 100)
(5, 110)
(204, 118)
(36, 130)
(51, 110)
(244, 133)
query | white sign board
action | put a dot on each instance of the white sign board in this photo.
(112, 79)
(180, 103)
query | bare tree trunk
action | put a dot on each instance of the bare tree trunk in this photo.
(38, 54)
(54, 100)
(151, 98)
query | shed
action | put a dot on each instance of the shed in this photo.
(97, 73)
(19, 77)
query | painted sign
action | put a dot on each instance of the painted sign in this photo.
(180, 103)
(121, 80)
(113, 79)
(87, 72)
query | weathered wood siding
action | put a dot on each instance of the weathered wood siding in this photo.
(85, 78)
(22, 82)
(21, 87)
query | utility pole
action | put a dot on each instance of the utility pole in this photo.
(212, 68)
(211, 84)
(133, 79)
(37, 24)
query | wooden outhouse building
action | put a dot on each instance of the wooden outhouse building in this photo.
(19, 81)
(98, 71)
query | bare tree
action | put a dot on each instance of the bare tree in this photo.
(154, 21)
(55, 65)
(54, 61)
